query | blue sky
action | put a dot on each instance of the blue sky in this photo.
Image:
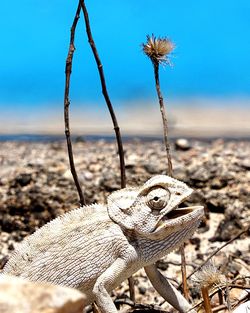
(211, 58)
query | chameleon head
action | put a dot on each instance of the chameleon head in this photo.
(152, 210)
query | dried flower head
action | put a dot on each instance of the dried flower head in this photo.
(158, 49)
(209, 276)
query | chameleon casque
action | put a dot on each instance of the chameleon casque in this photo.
(94, 248)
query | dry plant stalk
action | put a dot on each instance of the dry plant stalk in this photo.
(140, 307)
(111, 111)
(158, 49)
(68, 70)
(207, 305)
(207, 278)
(184, 272)
(220, 296)
(105, 93)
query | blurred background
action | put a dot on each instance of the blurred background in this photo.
(206, 91)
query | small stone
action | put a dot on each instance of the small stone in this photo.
(152, 168)
(142, 290)
(218, 183)
(19, 295)
(131, 161)
(180, 172)
(200, 175)
(23, 179)
(215, 205)
(227, 228)
(109, 181)
(95, 167)
(200, 256)
(162, 265)
(245, 164)
(88, 175)
(195, 241)
(67, 174)
(182, 144)
(80, 139)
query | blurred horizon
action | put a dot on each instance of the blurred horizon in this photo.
(194, 117)
(206, 90)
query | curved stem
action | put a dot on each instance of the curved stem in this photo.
(105, 94)
(164, 117)
(68, 70)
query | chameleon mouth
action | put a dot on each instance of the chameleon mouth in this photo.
(179, 217)
(177, 212)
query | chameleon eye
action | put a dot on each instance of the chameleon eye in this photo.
(157, 198)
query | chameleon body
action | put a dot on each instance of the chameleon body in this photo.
(94, 248)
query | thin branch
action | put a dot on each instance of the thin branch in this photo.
(219, 308)
(131, 284)
(237, 286)
(220, 296)
(68, 70)
(206, 300)
(227, 297)
(179, 264)
(140, 306)
(105, 93)
(164, 117)
(95, 308)
(111, 111)
(155, 62)
(184, 272)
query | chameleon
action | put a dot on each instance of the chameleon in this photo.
(94, 248)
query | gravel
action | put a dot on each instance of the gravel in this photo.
(36, 185)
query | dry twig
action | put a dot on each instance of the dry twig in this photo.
(111, 111)
(219, 308)
(206, 300)
(164, 117)
(105, 93)
(139, 306)
(184, 272)
(68, 70)
(157, 49)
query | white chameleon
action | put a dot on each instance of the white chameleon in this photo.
(95, 248)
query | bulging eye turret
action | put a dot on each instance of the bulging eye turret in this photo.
(158, 197)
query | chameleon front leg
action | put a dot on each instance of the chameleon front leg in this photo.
(166, 290)
(104, 282)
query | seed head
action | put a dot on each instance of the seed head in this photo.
(209, 276)
(158, 49)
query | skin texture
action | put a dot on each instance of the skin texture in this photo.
(95, 248)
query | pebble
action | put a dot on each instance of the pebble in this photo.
(245, 163)
(88, 175)
(182, 144)
(19, 295)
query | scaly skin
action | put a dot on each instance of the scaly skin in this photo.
(95, 248)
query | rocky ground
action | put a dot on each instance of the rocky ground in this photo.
(36, 186)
